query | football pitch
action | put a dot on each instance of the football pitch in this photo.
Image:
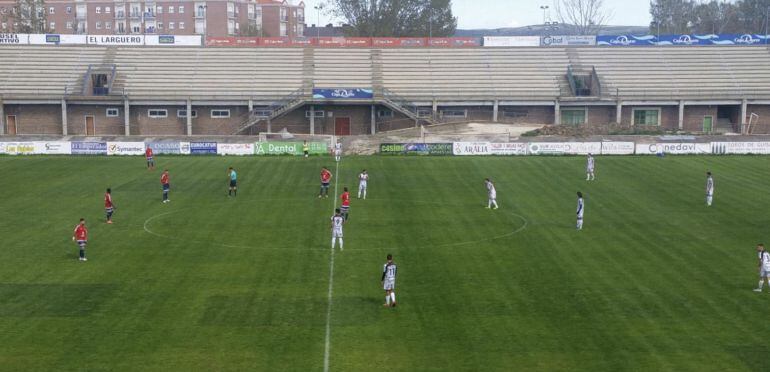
(655, 281)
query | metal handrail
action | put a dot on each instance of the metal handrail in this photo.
(571, 80)
(597, 82)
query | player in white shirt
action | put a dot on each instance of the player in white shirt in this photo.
(764, 266)
(709, 189)
(590, 167)
(580, 211)
(389, 282)
(363, 180)
(491, 193)
(338, 150)
(337, 222)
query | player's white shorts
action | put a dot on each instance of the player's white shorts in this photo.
(764, 272)
(492, 196)
(590, 169)
(337, 152)
(362, 186)
(337, 233)
(389, 285)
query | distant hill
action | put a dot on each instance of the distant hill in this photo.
(537, 30)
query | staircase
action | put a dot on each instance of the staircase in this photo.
(277, 109)
(394, 102)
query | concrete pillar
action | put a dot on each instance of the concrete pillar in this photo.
(312, 120)
(374, 119)
(619, 112)
(495, 111)
(126, 115)
(269, 126)
(681, 115)
(2, 118)
(63, 117)
(744, 112)
(189, 117)
(434, 113)
(251, 105)
(556, 113)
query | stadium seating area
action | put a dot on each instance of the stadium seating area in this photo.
(474, 74)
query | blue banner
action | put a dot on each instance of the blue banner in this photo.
(199, 148)
(89, 148)
(343, 94)
(681, 40)
(165, 147)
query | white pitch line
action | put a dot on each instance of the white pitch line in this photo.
(327, 343)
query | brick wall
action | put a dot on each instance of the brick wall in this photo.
(103, 125)
(142, 124)
(36, 119)
(693, 117)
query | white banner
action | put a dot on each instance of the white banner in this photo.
(56, 39)
(565, 148)
(511, 41)
(740, 148)
(53, 148)
(19, 148)
(173, 40)
(618, 148)
(14, 38)
(184, 148)
(235, 149)
(672, 148)
(509, 148)
(125, 148)
(115, 40)
(564, 40)
(471, 148)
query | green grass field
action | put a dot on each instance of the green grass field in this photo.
(656, 281)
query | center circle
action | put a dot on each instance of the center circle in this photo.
(304, 224)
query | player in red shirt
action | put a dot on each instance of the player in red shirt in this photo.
(345, 203)
(80, 235)
(150, 160)
(164, 180)
(109, 207)
(326, 178)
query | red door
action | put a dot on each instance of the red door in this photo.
(10, 123)
(341, 126)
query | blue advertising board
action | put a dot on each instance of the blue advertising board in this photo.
(680, 40)
(201, 148)
(165, 147)
(89, 148)
(343, 94)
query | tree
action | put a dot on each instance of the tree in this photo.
(250, 28)
(30, 17)
(672, 16)
(716, 17)
(752, 14)
(587, 16)
(396, 18)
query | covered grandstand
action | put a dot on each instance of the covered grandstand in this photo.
(96, 90)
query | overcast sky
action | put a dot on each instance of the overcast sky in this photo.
(515, 13)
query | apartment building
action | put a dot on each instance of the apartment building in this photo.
(214, 18)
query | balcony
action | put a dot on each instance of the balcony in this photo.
(136, 15)
(149, 15)
(200, 15)
(120, 14)
(230, 14)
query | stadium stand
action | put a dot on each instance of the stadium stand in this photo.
(264, 86)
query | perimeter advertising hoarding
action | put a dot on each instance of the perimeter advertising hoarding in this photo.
(416, 149)
(239, 149)
(89, 148)
(159, 148)
(125, 148)
(511, 41)
(672, 148)
(759, 148)
(203, 148)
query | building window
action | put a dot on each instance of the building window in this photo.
(3, 10)
(267, 113)
(319, 114)
(230, 10)
(5, 25)
(515, 114)
(183, 113)
(50, 10)
(170, 9)
(108, 25)
(159, 10)
(69, 10)
(157, 113)
(384, 113)
(171, 25)
(237, 26)
(113, 112)
(181, 25)
(424, 112)
(69, 25)
(98, 10)
(180, 10)
(283, 29)
(230, 27)
(573, 116)
(160, 25)
(454, 113)
(284, 16)
(52, 26)
(107, 10)
(300, 29)
(98, 25)
(647, 116)
(220, 114)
